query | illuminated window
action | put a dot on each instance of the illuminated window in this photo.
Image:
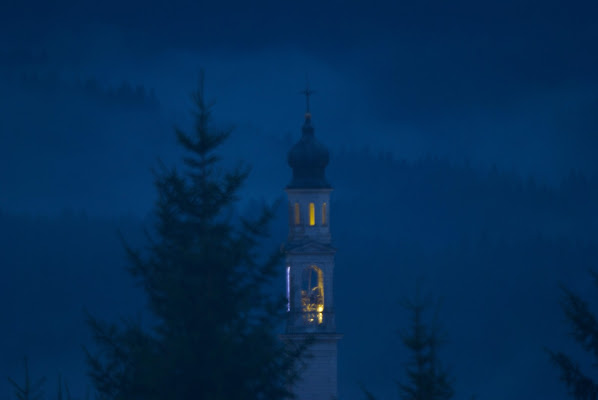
(312, 295)
(324, 222)
(312, 214)
(297, 214)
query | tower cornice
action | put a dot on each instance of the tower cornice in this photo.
(310, 247)
(293, 190)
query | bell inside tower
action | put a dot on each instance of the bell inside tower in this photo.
(312, 295)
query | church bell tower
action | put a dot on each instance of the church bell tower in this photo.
(310, 266)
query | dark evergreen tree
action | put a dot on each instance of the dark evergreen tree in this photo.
(426, 379)
(207, 286)
(64, 392)
(29, 390)
(584, 329)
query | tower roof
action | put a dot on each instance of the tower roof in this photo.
(308, 158)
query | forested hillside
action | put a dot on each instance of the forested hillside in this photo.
(483, 240)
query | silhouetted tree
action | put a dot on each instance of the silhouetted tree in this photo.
(64, 392)
(426, 379)
(29, 390)
(585, 331)
(216, 321)
(59, 395)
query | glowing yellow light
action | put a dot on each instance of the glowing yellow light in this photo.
(312, 295)
(312, 214)
(297, 215)
(324, 214)
(320, 313)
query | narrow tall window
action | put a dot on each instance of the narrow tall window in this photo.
(288, 288)
(324, 221)
(312, 214)
(297, 215)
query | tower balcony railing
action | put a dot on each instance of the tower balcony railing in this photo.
(310, 322)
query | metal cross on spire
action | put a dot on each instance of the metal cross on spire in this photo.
(307, 92)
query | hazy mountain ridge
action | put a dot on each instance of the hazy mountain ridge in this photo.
(41, 80)
(435, 201)
(63, 140)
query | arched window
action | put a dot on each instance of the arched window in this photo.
(312, 295)
(297, 214)
(324, 220)
(312, 214)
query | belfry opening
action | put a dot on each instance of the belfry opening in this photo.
(312, 295)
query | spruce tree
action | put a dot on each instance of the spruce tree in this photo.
(29, 390)
(584, 330)
(206, 281)
(426, 378)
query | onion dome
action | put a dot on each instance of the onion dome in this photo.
(308, 158)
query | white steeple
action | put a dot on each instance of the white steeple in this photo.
(310, 265)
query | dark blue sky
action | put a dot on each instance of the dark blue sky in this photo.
(510, 82)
